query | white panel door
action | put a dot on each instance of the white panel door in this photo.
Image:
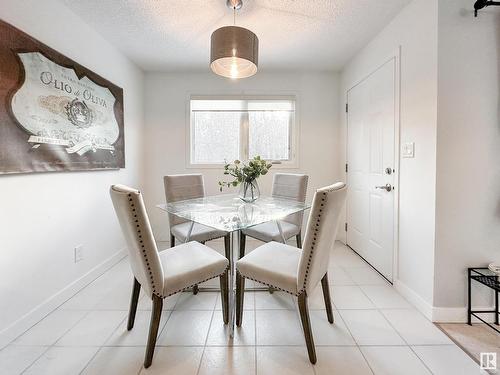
(371, 124)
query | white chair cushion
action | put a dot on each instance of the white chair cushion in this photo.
(269, 231)
(200, 233)
(189, 264)
(273, 264)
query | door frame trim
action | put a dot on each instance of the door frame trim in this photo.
(396, 56)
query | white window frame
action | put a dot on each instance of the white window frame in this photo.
(293, 163)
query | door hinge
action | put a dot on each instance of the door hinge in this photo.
(346, 227)
(346, 167)
(346, 107)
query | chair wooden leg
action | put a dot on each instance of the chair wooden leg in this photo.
(227, 245)
(326, 296)
(240, 297)
(306, 326)
(224, 296)
(136, 289)
(298, 237)
(243, 238)
(172, 240)
(153, 329)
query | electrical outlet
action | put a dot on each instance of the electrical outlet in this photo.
(78, 253)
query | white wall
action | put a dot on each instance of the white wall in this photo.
(166, 108)
(43, 216)
(468, 167)
(415, 31)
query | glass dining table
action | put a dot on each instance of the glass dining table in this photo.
(231, 214)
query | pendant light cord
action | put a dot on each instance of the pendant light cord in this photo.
(234, 16)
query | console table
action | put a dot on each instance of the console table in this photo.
(489, 279)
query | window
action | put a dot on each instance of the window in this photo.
(228, 129)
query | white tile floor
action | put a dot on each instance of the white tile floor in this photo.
(376, 331)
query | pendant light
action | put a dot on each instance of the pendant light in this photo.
(234, 50)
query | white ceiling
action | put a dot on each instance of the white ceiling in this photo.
(167, 35)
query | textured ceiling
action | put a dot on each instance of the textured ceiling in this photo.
(166, 35)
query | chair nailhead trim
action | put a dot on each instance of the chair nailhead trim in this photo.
(143, 249)
(313, 243)
(199, 282)
(273, 286)
(208, 239)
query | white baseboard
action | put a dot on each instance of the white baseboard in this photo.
(50, 304)
(459, 314)
(449, 315)
(422, 305)
(440, 314)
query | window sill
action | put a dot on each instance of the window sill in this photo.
(282, 165)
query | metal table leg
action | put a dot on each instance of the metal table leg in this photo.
(195, 289)
(469, 299)
(281, 231)
(496, 304)
(188, 236)
(271, 289)
(234, 244)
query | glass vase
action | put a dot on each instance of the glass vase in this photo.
(249, 191)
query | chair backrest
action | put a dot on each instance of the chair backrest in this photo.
(291, 186)
(143, 253)
(180, 187)
(320, 235)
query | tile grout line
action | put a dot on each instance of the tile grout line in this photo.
(160, 332)
(457, 343)
(122, 346)
(90, 360)
(255, 330)
(404, 340)
(54, 343)
(356, 342)
(36, 359)
(421, 360)
(102, 345)
(380, 311)
(356, 283)
(62, 303)
(206, 340)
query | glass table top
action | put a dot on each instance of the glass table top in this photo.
(229, 213)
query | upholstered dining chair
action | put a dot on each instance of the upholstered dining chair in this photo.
(295, 271)
(181, 187)
(288, 186)
(162, 274)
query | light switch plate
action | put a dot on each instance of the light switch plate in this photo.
(409, 150)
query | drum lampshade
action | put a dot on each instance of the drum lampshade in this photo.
(234, 52)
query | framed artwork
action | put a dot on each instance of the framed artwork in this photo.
(55, 114)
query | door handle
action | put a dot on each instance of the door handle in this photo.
(386, 187)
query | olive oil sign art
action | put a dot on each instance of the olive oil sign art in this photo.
(55, 115)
